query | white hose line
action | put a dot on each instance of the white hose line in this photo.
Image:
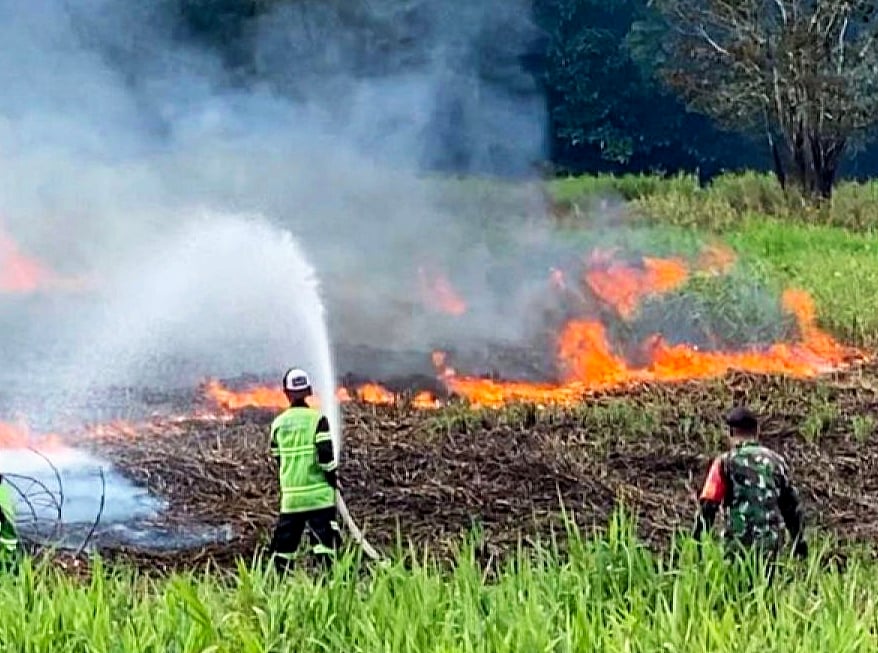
(355, 531)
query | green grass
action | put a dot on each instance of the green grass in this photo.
(862, 427)
(607, 593)
(838, 267)
(830, 251)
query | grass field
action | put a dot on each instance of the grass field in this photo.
(609, 593)
(831, 251)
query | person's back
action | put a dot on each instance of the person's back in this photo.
(753, 484)
(301, 443)
(758, 486)
(303, 482)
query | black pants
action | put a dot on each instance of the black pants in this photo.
(323, 532)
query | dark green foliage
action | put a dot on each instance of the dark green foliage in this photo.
(801, 72)
(607, 111)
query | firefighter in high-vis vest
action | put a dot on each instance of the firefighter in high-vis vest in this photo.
(302, 446)
(8, 534)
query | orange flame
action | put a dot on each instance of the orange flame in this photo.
(589, 363)
(21, 274)
(586, 356)
(425, 400)
(438, 294)
(624, 286)
(372, 393)
(259, 397)
(585, 353)
(18, 273)
(274, 399)
(19, 436)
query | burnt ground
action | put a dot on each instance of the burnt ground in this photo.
(430, 476)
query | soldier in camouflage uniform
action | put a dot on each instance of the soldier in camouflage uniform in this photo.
(753, 484)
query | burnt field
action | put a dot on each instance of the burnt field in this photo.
(428, 477)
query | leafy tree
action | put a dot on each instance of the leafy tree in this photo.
(608, 111)
(804, 72)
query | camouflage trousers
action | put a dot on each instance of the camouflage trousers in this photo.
(754, 560)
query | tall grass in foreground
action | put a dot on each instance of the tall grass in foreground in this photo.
(604, 594)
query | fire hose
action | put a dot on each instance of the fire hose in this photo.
(355, 531)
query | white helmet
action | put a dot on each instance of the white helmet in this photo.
(296, 380)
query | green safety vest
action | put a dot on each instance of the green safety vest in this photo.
(294, 438)
(8, 534)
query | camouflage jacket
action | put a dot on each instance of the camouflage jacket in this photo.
(753, 484)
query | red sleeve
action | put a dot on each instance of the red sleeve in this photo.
(715, 485)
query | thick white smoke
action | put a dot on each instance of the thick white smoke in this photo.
(119, 132)
(220, 290)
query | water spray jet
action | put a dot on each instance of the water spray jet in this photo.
(228, 293)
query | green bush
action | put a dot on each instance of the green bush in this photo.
(717, 313)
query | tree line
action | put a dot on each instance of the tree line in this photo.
(644, 85)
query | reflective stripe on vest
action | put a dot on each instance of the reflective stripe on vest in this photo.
(303, 485)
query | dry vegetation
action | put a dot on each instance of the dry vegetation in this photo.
(431, 477)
